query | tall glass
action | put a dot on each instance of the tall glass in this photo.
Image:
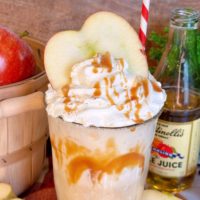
(93, 163)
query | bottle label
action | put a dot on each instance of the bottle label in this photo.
(175, 148)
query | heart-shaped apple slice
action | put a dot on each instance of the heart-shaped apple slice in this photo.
(102, 32)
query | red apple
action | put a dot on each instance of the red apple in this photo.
(16, 58)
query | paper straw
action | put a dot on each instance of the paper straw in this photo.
(144, 21)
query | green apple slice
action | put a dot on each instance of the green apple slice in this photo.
(102, 32)
(156, 195)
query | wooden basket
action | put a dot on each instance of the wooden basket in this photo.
(23, 127)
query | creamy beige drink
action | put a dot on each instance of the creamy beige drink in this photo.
(102, 105)
(105, 156)
(100, 163)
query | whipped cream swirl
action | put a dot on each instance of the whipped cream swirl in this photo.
(103, 93)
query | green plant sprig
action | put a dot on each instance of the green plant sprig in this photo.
(158, 43)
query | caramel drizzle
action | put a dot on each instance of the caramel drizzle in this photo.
(134, 91)
(134, 97)
(132, 129)
(80, 159)
(57, 149)
(110, 99)
(97, 91)
(120, 107)
(112, 80)
(146, 88)
(65, 91)
(95, 69)
(109, 82)
(137, 115)
(156, 87)
(128, 101)
(105, 62)
(115, 166)
(121, 62)
(116, 93)
(72, 148)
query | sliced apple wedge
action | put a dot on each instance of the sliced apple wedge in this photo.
(156, 195)
(6, 191)
(102, 32)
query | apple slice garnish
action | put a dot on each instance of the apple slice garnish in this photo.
(157, 195)
(102, 32)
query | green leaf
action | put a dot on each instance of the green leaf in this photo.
(155, 53)
(152, 69)
(24, 34)
(173, 58)
(158, 43)
(166, 30)
(198, 47)
(157, 39)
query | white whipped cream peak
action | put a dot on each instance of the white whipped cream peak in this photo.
(104, 93)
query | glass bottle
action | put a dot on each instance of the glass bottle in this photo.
(177, 138)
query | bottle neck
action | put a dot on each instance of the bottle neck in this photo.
(178, 69)
(183, 24)
(180, 41)
(178, 35)
(184, 19)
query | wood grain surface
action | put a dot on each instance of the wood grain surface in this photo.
(42, 18)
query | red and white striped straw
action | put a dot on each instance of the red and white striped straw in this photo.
(144, 21)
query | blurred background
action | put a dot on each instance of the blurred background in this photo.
(42, 18)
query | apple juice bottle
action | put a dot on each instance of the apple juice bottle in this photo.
(177, 138)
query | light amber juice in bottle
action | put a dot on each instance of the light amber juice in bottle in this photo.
(176, 113)
(176, 144)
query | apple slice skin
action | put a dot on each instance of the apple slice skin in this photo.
(115, 28)
(61, 52)
(101, 32)
(6, 191)
(157, 195)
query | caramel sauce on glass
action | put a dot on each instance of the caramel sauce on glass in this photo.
(57, 149)
(146, 88)
(156, 87)
(80, 159)
(97, 91)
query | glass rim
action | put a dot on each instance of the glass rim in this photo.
(114, 128)
(184, 15)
